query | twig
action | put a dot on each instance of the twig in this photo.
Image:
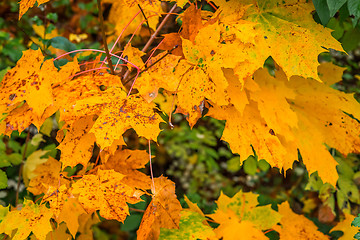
(136, 210)
(151, 171)
(147, 22)
(153, 36)
(143, 70)
(21, 167)
(104, 37)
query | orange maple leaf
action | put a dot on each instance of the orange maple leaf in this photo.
(127, 162)
(162, 212)
(26, 4)
(77, 146)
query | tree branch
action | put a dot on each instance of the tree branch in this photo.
(104, 37)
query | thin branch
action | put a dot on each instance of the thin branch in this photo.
(136, 210)
(104, 37)
(147, 22)
(143, 70)
(21, 167)
(153, 36)
(151, 172)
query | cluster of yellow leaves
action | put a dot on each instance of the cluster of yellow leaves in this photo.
(221, 62)
(217, 63)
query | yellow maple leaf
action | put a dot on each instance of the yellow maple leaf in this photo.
(134, 55)
(242, 207)
(70, 213)
(346, 227)
(282, 116)
(117, 113)
(31, 218)
(47, 175)
(279, 24)
(31, 164)
(295, 226)
(162, 212)
(191, 227)
(59, 233)
(160, 75)
(234, 228)
(31, 81)
(105, 192)
(27, 81)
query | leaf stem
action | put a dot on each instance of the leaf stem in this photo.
(104, 37)
(152, 38)
(151, 171)
(147, 22)
(136, 210)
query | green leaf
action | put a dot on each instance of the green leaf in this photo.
(348, 187)
(354, 10)
(4, 161)
(250, 165)
(351, 39)
(62, 43)
(3, 180)
(233, 165)
(334, 6)
(322, 10)
(263, 165)
(47, 127)
(356, 222)
(15, 158)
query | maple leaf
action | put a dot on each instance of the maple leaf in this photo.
(68, 93)
(105, 192)
(162, 212)
(47, 175)
(117, 113)
(160, 75)
(31, 164)
(286, 24)
(127, 24)
(126, 162)
(190, 227)
(86, 222)
(31, 218)
(26, 4)
(59, 233)
(27, 81)
(248, 230)
(294, 226)
(134, 55)
(347, 227)
(283, 116)
(78, 143)
(243, 207)
(70, 212)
